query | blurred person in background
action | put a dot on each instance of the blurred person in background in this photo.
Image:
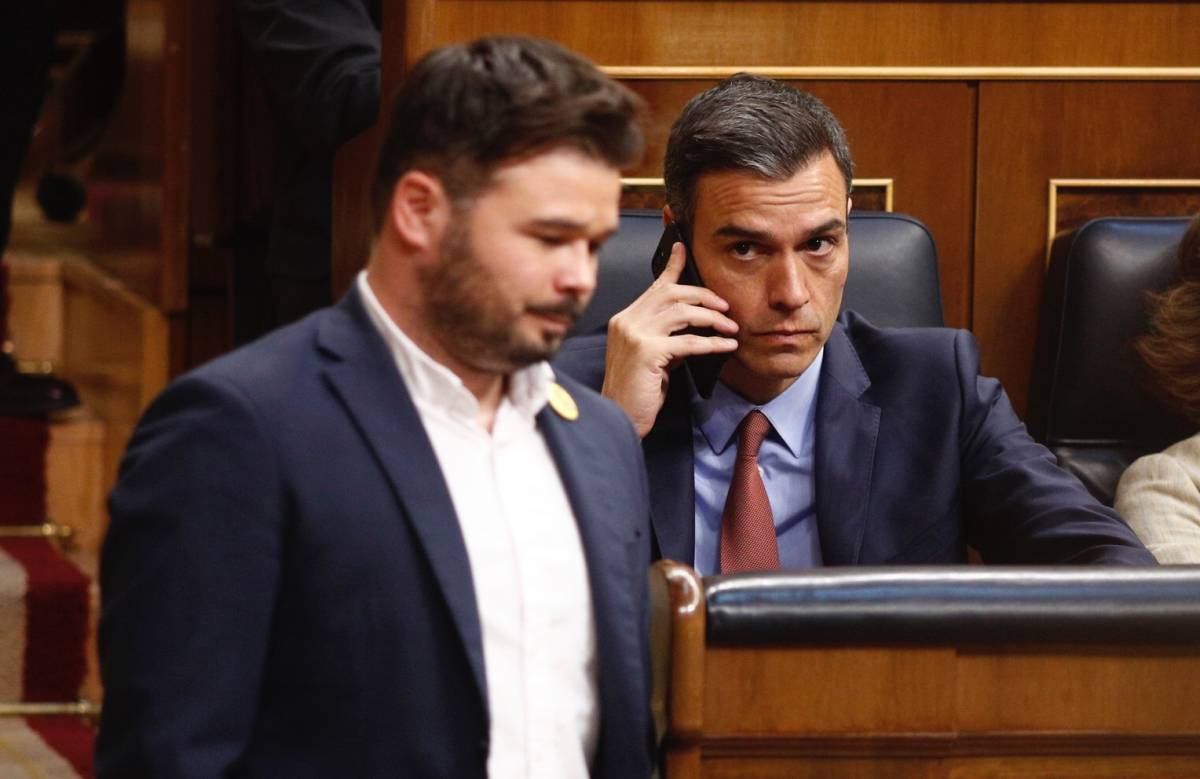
(1159, 495)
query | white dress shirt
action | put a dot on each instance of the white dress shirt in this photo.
(527, 562)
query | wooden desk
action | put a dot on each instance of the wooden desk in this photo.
(836, 686)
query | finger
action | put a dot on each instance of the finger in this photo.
(689, 344)
(683, 315)
(675, 263)
(695, 296)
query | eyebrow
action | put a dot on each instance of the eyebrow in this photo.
(570, 226)
(745, 233)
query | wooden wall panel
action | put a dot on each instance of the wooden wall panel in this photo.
(1030, 133)
(970, 124)
(915, 34)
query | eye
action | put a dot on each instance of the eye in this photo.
(743, 250)
(820, 245)
(552, 241)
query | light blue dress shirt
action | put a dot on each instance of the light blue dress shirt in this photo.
(785, 462)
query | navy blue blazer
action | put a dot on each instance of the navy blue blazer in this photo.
(286, 590)
(917, 457)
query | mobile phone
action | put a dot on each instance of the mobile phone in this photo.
(704, 368)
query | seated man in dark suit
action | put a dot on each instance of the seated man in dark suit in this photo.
(825, 441)
(387, 540)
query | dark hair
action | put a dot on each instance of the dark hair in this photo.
(464, 109)
(1172, 348)
(749, 123)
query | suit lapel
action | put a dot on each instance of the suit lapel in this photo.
(846, 431)
(606, 548)
(669, 464)
(363, 375)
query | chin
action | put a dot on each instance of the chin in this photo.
(780, 366)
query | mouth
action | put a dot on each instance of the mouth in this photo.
(786, 336)
(787, 332)
(558, 317)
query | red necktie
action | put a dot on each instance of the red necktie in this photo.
(747, 527)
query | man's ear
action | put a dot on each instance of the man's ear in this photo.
(668, 217)
(420, 210)
(849, 205)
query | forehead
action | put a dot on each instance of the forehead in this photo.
(559, 181)
(814, 194)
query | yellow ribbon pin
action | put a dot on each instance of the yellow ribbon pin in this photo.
(562, 403)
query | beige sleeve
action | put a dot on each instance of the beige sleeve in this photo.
(1161, 502)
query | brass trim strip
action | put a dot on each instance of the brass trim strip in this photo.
(80, 708)
(952, 744)
(1056, 184)
(887, 184)
(903, 73)
(47, 529)
(44, 367)
(633, 181)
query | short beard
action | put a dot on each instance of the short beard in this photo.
(471, 320)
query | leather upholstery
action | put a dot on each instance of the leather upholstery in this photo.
(1088, 398)
(893, 278)
(971, 604)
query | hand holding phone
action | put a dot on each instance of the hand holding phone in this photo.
(677, 318)
(704, 368)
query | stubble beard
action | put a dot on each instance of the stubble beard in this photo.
(471, 319)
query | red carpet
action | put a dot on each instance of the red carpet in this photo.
(55, 610)
(45, 747)
(43, 613)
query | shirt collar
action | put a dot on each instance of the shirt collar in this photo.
(791, 413)
(432, 384)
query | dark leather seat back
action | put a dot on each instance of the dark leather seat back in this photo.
(1088, 398)
(893, 279)
(990, 605)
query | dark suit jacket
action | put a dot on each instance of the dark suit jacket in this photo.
(319, 62)
(917, 456)
(286, 591)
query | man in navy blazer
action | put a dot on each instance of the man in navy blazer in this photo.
(884, 445)
(387, 540)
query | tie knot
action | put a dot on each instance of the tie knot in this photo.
(753, 430)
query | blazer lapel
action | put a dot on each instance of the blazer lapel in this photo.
(607, 550)
(364, 377)
(846, 431)
(669, 463)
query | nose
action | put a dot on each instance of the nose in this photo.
(577, 270)
(788, 289)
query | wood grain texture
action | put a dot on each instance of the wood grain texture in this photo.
(1114, 690)
(687, 685)
(969, 158)
(857, 689)
(1029, 710)
(700, 32)
(1007, 767)
(1030, 133)
(115, 350)
(1074, 204)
